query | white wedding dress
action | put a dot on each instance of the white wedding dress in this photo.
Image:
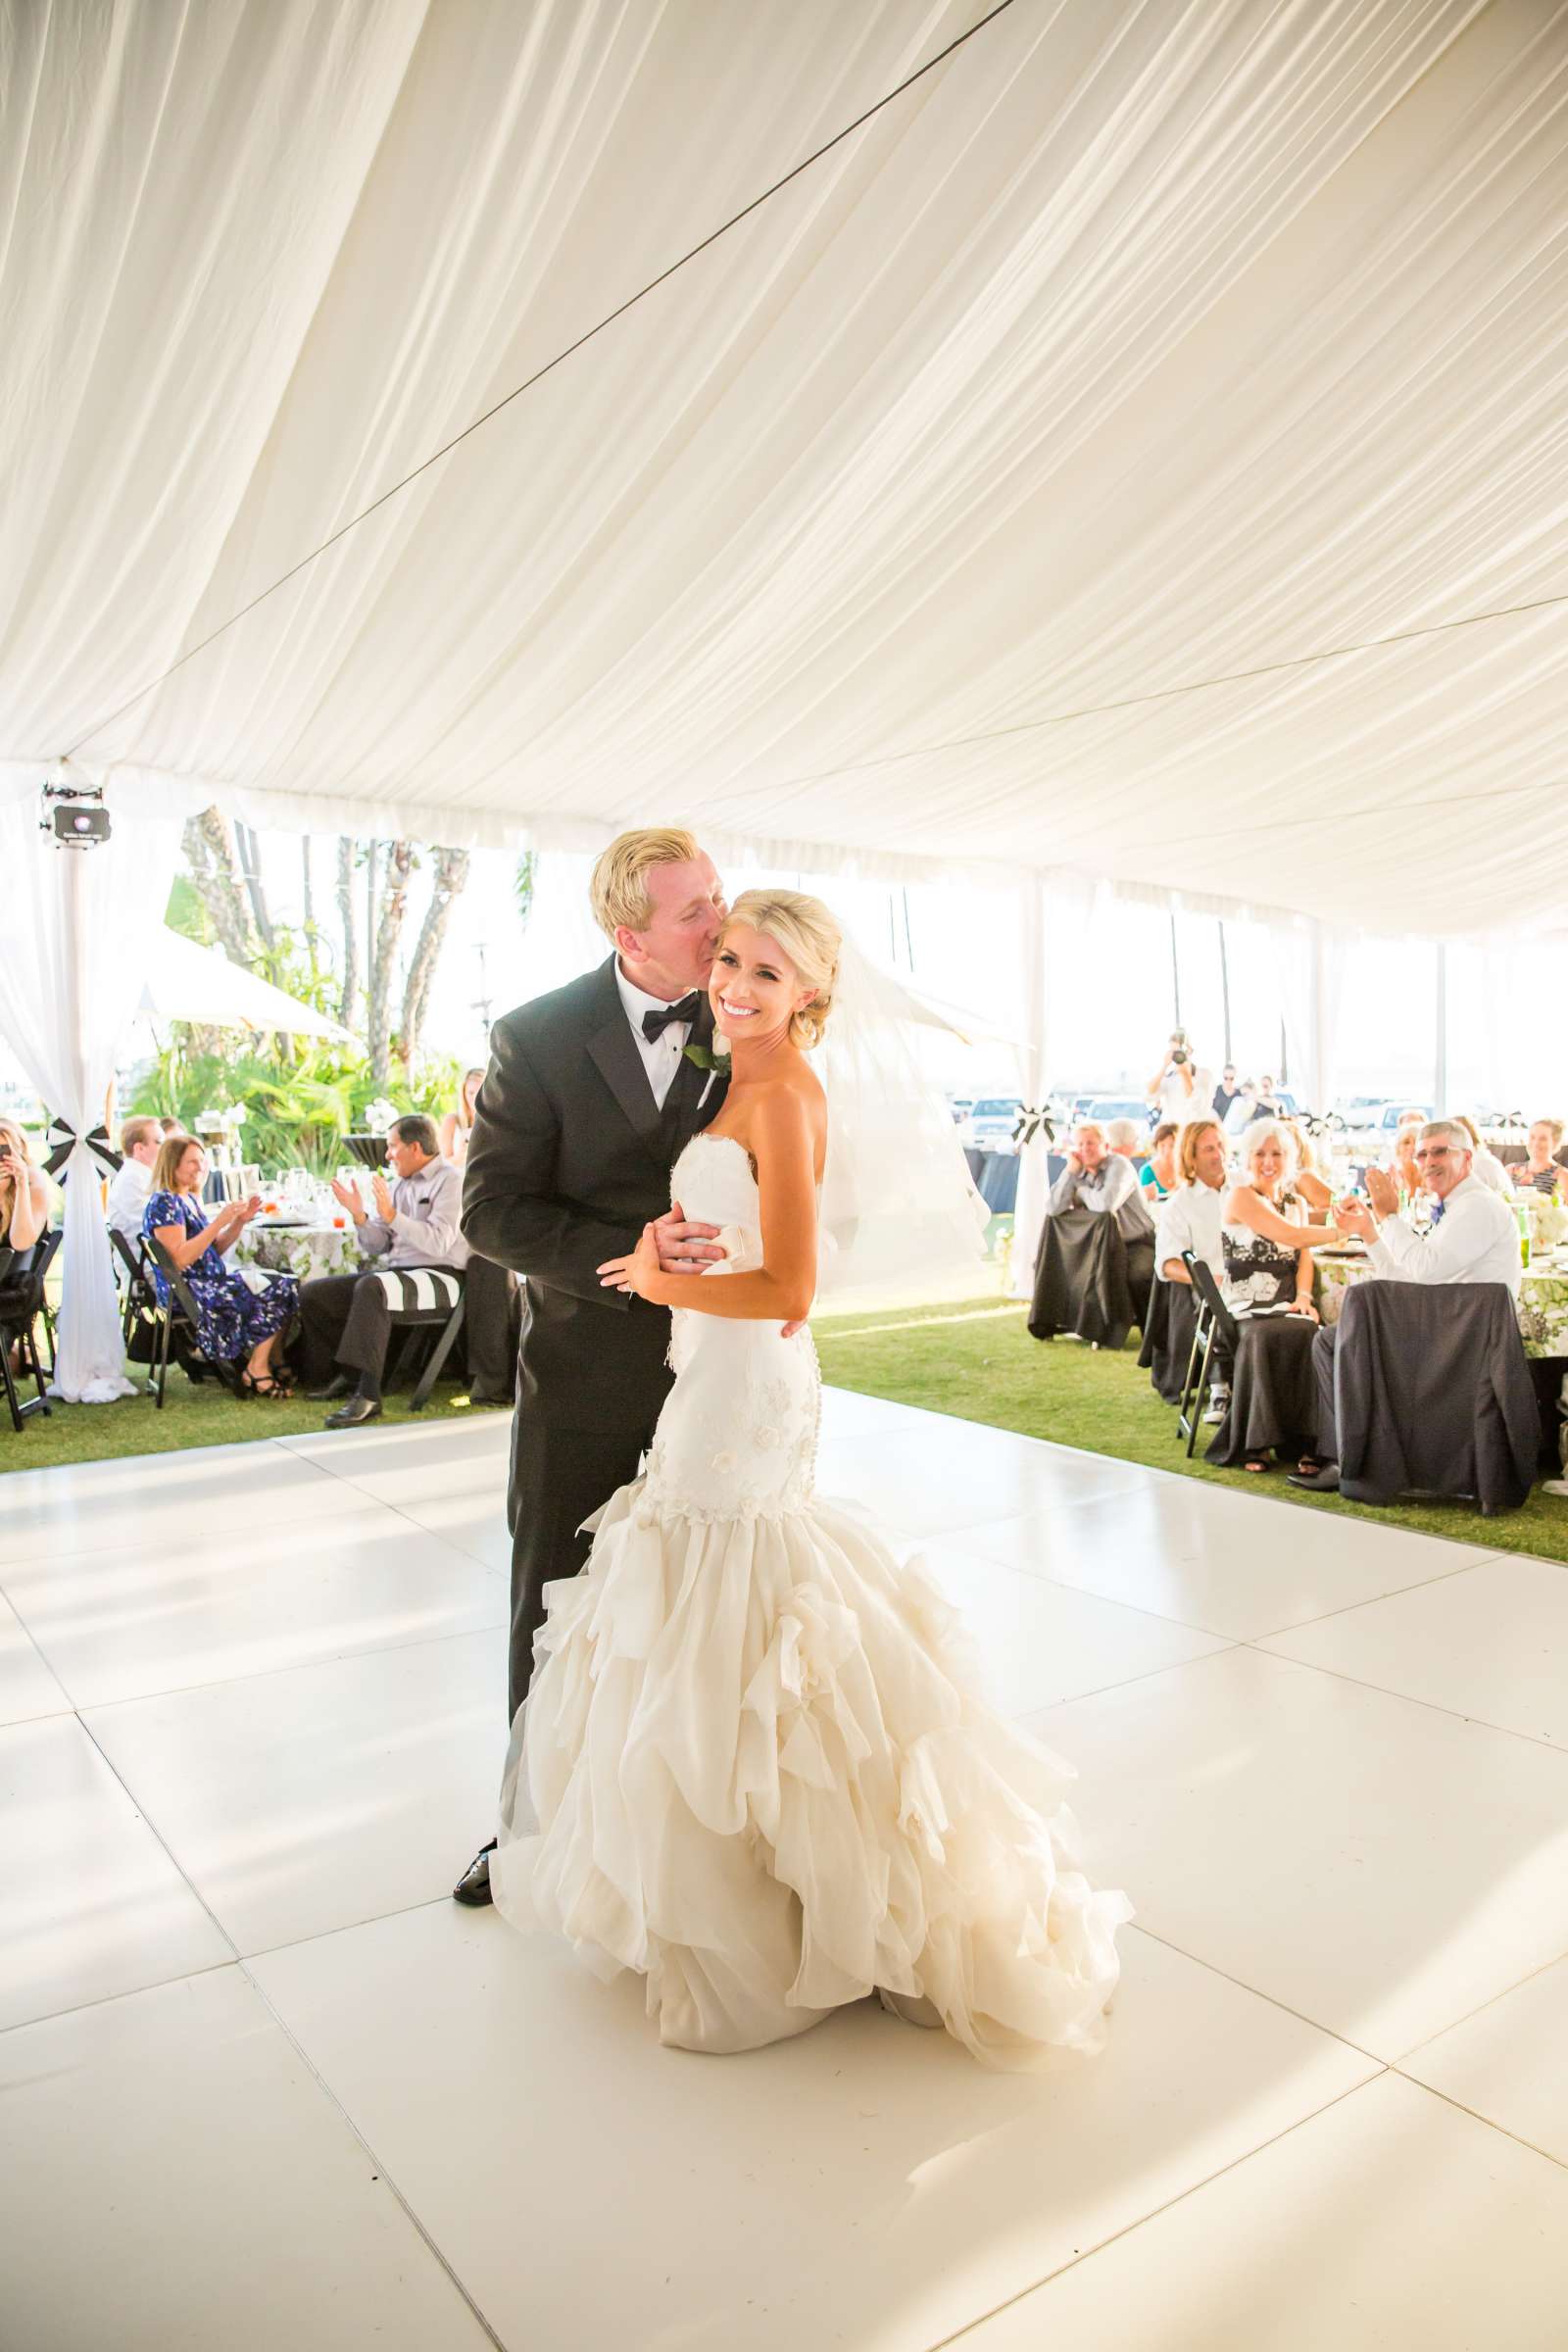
(754, 1764)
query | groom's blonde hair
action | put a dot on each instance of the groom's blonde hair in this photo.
(619, 890)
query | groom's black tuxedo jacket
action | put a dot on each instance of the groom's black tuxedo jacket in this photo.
(568, 1159)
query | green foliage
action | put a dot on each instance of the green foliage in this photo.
(300, 1108)
(186, 914)
(523, 885)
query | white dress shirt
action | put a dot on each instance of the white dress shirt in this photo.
(1477, 1240)
(128, 1197)
(660, 1054)
(1190, 1218)
(1488, 1169)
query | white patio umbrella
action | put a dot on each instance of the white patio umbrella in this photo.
(189, 983)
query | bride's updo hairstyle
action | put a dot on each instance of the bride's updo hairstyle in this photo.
(809, 938)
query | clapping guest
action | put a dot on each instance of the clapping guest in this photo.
(1472, 1238)
(1161, 1176)
(411, 1222)
(1267, 1245)
(1402, 1171)
(140, 1140)
(232, 1321)
(457, 1125)
(1541, 1172)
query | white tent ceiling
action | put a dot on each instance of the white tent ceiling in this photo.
(1141, 343)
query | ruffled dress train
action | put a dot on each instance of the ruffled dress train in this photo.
(755, 1765)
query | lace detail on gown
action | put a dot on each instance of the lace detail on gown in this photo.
(756, 1764)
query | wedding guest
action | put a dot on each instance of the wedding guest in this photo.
(1306, 1185)
(140, 1140)
(24, 1194)
(1227, 1093)
(1100, 1178)
(457, 1125)
(1472, 1238)
(168, 1127)
(1194, 1216)
(1268, 1250)
(1541, 1171)
(1159, 1175)
(1485, 1166)
(1244, 1107)
(1124, 1138)
(232, 1319)
(1402, 1170)
(411, 1223)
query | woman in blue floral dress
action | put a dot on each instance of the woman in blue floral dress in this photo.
(233, 1320)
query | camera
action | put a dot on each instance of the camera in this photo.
(1178, 1055)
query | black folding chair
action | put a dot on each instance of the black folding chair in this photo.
(23, 1271)
(444, 1317)
(1215, 1323)
(45, 1251)
(177, 1317)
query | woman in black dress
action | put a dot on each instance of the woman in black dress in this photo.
(1268, 1248)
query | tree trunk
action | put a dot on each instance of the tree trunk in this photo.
(394, 906)
(209, 856)
(451, 874)
(351, 946)
(250, 860)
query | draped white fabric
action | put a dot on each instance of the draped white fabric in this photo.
(1143, 341)
(75, 935)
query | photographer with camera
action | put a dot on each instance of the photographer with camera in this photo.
(1180, 1090)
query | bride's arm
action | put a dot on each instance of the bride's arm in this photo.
(781, 1289)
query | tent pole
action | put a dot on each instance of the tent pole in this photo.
(1439, 1055)
(1175, 974)
(1225, 987)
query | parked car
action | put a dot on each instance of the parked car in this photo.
(1104, 1107)
(990, 1124)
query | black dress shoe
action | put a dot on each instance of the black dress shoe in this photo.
(474, 1887)
(1316, 1482)
(358, 1410)
(335, 1387)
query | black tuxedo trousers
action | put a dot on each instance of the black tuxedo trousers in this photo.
(568, 1159)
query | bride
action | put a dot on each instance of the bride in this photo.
(754, 1764)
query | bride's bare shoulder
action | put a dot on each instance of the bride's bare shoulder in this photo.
(793, 1099)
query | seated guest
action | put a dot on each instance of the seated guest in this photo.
(1244, 1107)
(1402, 1170)
(1158, 1176)
(140, 1141)
(346, 1318)
(231, 1320)
(1485, 1166)
(1194, 1215)
(1226, 1094)
(1268, 1250)
(1541, 1171)
(457, 1125)
(1101, 1178)
(1125, 1137)
(1472, 1238)
(168, 1127)
(1192, 1219)
(24, 1217)
(1306, 1185)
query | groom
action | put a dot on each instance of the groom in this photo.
(588, 1103)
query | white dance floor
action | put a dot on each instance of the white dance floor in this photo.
(266, 2087)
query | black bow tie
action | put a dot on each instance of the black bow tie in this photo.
(684, 1009)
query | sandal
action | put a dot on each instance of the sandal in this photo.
(262, 1384)
(1256, 1462)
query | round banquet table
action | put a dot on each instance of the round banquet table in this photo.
(1543, 1298)
(306, 1251)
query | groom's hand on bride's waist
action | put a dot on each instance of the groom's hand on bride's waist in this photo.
(684, 1247)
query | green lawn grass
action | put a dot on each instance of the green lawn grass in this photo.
(974, 1360)
(980, 1364)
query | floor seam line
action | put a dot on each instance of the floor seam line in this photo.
(1475, 1723)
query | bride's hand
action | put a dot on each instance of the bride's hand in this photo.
(633, 1274)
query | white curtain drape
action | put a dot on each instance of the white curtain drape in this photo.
(77, 931)
(1136, 345)
(1057, 919)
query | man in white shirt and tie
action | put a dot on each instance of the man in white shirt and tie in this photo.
(1472, 1238)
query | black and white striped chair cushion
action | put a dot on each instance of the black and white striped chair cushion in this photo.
(422, 1291)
